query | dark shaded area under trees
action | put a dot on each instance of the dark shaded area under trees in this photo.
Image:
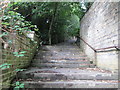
(56, 20)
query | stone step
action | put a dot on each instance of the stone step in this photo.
(71, 84)
(62, 50)
(62, 65)
(62, 61)
(61, 54)
(69, 76)
(61, 58)
(66, 47)
(74, 76)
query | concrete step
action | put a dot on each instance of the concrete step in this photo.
(62, 65)
(67, 74)
(62, 61)
(61, 58)
(71, 84)
(63, 55)
(61, 50)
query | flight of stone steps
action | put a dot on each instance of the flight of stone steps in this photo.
(65, 66)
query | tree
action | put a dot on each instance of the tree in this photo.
(52, 18)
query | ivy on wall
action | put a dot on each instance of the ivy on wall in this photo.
(14, 23)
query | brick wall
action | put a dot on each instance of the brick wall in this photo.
(99, 28)
(20, 42)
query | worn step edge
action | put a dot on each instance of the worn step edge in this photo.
(71, 84)
(62, 61)
(69, 76)
(62, 65)
(81, 59)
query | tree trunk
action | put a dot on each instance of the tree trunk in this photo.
(50, 28)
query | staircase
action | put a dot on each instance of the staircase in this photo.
(65, 66)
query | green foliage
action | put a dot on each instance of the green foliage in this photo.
(5, 23)
(73, 25)
(23, 51)
(4, 34)
(40, 13)
(17, 70)
(19, 54)
(18, 85)
(5, 65)
(16, 22)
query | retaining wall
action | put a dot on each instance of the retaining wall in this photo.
(14, 42)
(99, 28)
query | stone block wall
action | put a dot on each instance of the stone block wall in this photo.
(99, 28)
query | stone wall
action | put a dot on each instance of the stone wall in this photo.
(99, 28)
(21, 43)
(14, 42)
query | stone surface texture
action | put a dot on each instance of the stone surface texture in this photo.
(99, 28)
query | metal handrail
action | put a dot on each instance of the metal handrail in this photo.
(97, 50)
(88, 44)
(116, 47)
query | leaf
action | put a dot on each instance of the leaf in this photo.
(22, 85)
(9, 41)
(15, 3)
(19, 70)
(4, 34)
(16, 26)
(19, 29)
(5, 65)
(35, 42)
(16, 88)
(23, 51)
(15, 8)
(21, 55)
(36, 29)
(28, 30)
(17, 83)
(15, 53)
(5, 23)
(11, 12)
(1, 35)
(32, 26)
